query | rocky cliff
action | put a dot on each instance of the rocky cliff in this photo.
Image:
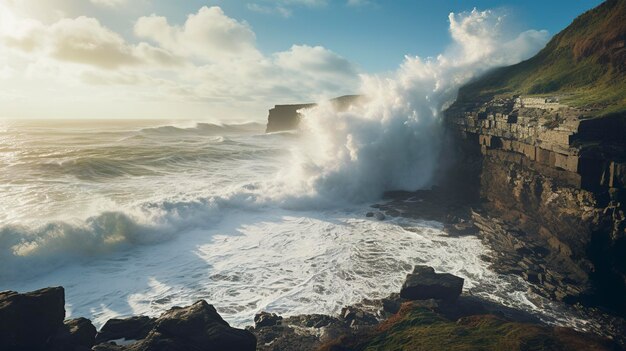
(551, 167)
(286, 117)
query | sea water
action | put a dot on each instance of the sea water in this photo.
(134, 217)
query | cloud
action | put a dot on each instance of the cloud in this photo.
(278, 10)
(209, 58)
(393, 140)
(208, 34)
(84, 40)
(109, 3)
(484, 34)
(317, 60)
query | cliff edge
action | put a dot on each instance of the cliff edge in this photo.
(287, 117)
(543, 143)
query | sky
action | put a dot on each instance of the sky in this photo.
(222, 60)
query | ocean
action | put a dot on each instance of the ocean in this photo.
(134, 217)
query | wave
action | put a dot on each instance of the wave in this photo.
(205, 129)
(392, 141)
(148, 158)
(27, 251)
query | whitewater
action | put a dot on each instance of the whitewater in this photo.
(134, 217)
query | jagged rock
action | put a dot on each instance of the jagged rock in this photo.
(29, 321)
(197, 327)
(312, 320)
(354, 316)
(265, 319)
(133, 328)
(425, 284)
(392, 303)
(108, 347)
(76, 335)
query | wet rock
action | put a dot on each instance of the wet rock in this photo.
(108, 347)
(379, 216)
(425, 284)
(265, 319)
(393, 213)
(369, 214)
(392, 303)
(29, 321)
(354, 316)
(312, 320)
(133, 328)
(197, 327)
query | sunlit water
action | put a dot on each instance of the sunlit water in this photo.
(136, 217)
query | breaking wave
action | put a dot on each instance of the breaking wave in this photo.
(392, 140)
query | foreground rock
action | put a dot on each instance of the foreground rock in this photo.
(197, 327)
(424, 284)
(438, 319)
(35, 321)
(133, 328)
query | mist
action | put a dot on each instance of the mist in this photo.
(393, 139)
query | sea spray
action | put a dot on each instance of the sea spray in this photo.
(155, 183)
(392, 140)
(245, 248)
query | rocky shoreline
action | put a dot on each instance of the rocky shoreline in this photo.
(514, 251)
(430, 312)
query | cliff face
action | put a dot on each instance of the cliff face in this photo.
(286, 117)
(551, 169)
(559, 178)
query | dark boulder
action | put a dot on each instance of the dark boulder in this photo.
(76, 335)
(29, 321)
(197, 327)
(425, 284)
(133, 328)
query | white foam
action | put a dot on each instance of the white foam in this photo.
(392, 140)
(169, 215)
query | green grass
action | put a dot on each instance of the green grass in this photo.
(416, 328)
(585, 64)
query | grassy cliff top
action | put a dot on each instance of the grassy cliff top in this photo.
(585, 64)
(418, 328)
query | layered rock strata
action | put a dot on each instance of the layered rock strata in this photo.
(556, 180)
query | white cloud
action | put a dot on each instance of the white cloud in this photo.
(85, 40)
(210, 58)
(278, 9)
(109, 3)
(317, 60)
(209, 34)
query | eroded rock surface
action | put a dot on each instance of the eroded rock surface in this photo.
(424, 284)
